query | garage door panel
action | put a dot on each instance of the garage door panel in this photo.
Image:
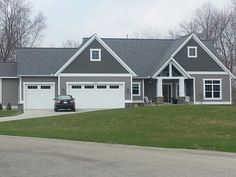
(97, 95)
(39, 96)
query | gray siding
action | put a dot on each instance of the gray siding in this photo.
(150, 88)
(203, 62)
(127, 81)
(10, 91)
(225, 86)
(141, 97)
(82, 63)
(40, 79)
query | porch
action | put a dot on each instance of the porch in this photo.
(167, 90)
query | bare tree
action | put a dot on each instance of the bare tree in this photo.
(71, 44)
(217, 25)
(146, 34)
(17, 27)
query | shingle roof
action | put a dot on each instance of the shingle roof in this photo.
(8, 69)
(143, 56)
(42, 61)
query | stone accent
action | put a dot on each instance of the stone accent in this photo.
(159, 100)
(181, 100)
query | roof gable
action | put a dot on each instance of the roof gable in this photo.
(85, 45)
(203, 62)
(83, 64)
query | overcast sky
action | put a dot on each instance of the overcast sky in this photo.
(74, 19)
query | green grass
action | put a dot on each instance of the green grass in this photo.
(6, 113)
(194, 127)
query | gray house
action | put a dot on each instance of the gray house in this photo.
(114, 73)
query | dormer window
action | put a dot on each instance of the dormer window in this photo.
(192, 52)
(95, 54)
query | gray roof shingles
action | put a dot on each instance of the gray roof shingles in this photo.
(8, 69)
(143, 56)
(42, 61)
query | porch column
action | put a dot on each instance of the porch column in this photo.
(159, 94)
(181, 88)
(159, 87)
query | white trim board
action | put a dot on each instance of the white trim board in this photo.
(207, 73)
(93, 75)
(95, 37)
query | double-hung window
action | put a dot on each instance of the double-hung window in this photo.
(136, 89)
(212, 89)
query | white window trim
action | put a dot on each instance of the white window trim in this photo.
(139, 88)
(94, 50)
(204, 92)
(192, 47)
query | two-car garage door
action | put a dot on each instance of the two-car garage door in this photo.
(97, 95)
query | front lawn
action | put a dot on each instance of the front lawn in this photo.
(195, 127)
(6, 113)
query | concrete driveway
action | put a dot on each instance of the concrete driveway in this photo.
(36, 157)
(29, 114)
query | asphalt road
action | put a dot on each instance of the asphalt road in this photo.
(36, 157)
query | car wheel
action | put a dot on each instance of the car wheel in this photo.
(55, 109)
(73, 109)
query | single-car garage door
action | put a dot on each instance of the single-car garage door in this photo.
(99, 95)
(39, 95)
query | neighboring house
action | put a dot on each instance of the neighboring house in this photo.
(113, 73)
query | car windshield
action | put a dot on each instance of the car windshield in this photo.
(64, 97)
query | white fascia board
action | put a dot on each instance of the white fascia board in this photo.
(93, 75)
(95, 37)
(181, 46)
(176, 64)
(160, 70)
(207, 73)
(4, 77)
(180, 68)
(37, 75)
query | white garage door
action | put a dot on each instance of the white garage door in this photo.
(102, 95)
(39, 95)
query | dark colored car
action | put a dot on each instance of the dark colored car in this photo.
(64, 102)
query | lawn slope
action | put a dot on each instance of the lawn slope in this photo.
(195, 127)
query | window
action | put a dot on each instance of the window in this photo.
(136, 89)
(76, 86)
(101, 87)
(45, 87)
(192, 52)
(212, 89)
(114, 86)
(32, 87)
(88, 86)
(95, 54)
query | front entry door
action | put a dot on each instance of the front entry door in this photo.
(167, 93)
